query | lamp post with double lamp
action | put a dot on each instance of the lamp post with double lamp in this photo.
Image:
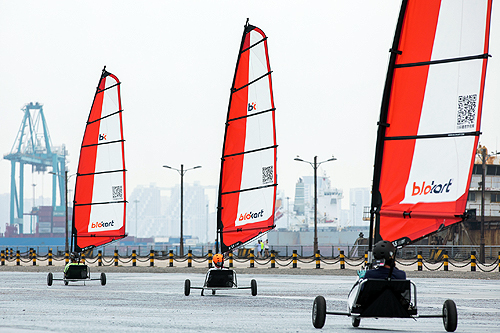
(66, 243)
(315, 166)
(182, 171)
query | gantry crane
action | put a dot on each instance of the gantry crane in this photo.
(33, 147)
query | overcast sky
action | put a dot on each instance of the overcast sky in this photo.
(176, 62)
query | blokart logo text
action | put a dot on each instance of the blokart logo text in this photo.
(102, 224)
(431, 189)
(249, 216)
(252, 106)
(102, 137)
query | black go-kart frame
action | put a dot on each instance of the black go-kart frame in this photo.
(76, 273)
(379, 298)
(219, 279)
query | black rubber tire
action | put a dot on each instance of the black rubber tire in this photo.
(103, 279)
(319, 312)
(187, 287)
(50, 278)
(355, 321)
(213, 291)
(66, 283)
(253, 285)
(450, 316)
(202, 292)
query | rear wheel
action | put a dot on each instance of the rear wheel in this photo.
(319, 312)
(187, 287)
(103, 279)
(253, 285)
(50, 278)
(355, 321)
(450, 317)
(66, 283)
(213, 291)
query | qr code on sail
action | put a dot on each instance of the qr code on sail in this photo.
(117, 192)
(466, 113)
(267, 175)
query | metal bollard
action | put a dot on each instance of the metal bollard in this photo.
(83, 258)
(499, 261)
(171, 258)
(66, 258)
(273, 259)
(151, 257)
(419, 259)
(210, 255)
(115, 257)
(252, 261)
(2, 254)
(190, 258)
(50, 257)
(18, 258)
(99, 258)
(34, 258)
(342, 259)
(231, 264)
(11, 253)
(318, 260)
(31, 253)
(473, 261)
(366, 258)
(445, 258)
(134, 258)
(294, 261)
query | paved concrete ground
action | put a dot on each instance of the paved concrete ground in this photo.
(147, 302)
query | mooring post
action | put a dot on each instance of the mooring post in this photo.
(294, 259)
(252, 261)
(210, 255)
(231, 259)
(318, 260)
(171, 258)
(134, 258)
(50, 257)
(445, 258)
(190, 258)
(419, 260)
(99, 258)
(473, 261)
(273, 259)
(151, 258)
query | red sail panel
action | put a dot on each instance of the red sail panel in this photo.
(248, 180)
(433, 117)
(100, 197)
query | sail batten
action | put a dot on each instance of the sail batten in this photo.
(430, 118)
(248, 180)
(100, 191)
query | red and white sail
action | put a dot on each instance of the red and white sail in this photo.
(100, 196)
(430, 117)
(248, 179)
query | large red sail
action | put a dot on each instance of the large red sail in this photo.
(100, 200)
(248, 179)
(430, 117)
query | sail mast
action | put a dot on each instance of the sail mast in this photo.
(382, 125)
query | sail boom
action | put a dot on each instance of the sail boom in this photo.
(433, 136)
(249, 189)
(443, 61)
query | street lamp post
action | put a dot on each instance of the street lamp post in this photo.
(182, 171)
(315, 166)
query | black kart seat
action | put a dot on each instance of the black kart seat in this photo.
(384, 298)
(220, 278)
(77, 272)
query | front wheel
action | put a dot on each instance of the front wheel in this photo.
(355, 321)
(450, 317)
(187, 287)
(50, 278)
(319, 312)
(103, 279)
(253, 285)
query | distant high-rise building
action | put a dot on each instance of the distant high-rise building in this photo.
(358, 199)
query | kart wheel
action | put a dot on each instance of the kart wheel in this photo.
(319, 312)
(450, 317)
(202, 294)
(50, 277)
(66, 283)
(187, 287)
(213, 291)
(253, 285)
(355, 321)
(103, 279)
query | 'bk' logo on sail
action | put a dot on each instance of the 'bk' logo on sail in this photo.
(252, 106)
(102, 137)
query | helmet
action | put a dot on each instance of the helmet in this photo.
(218, 260)
(383, 250)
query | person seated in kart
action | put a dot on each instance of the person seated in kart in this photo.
(384, 254)
(74, 260)
(218, 260)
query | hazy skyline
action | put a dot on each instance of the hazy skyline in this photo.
(176, 63)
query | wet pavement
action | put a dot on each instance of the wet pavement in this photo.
(155, 302)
